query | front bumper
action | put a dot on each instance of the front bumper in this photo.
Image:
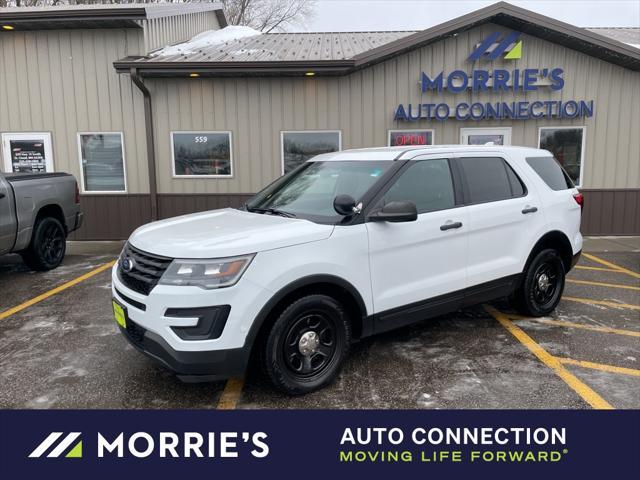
(166, 325)
(189, 366)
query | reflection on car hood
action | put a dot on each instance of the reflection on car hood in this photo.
(225, 233)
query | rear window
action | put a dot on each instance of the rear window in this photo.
(490, 179)
(550, 171)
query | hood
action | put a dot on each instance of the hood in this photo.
(224, 233)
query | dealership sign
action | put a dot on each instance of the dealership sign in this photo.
(496, 81)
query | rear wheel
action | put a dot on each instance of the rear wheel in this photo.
(307, 344)
(48, 245)
(542, 285)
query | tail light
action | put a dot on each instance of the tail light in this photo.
(77, 194)
(579, 198)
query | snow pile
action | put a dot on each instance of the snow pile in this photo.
(206, 39)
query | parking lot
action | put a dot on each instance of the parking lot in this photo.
(60, 348)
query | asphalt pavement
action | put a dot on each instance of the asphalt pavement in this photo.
(60, 348)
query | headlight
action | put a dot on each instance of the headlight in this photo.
(215, 273)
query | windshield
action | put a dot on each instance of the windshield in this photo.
(309, 190)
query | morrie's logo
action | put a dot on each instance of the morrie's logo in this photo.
(491, 47)
(61, 447)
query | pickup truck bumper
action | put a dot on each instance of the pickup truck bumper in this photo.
(79, 220)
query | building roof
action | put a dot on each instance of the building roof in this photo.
(100, 15)
(628, 35)
(340, 53)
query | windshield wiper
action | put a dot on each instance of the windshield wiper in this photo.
(270, 211)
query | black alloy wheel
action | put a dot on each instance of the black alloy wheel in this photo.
(48, 245)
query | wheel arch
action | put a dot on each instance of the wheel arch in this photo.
(331, 285)
(51, 210)
(558, 241)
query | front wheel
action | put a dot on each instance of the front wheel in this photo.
(48, 245)
(307, 344)
(542, 285)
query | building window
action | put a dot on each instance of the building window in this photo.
(102, 162)
(566, 144)
(298, 147)
(410, 137)
(202, 154)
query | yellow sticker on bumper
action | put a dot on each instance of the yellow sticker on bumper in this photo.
(118, 313)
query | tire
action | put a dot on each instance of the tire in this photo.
(542, 285)
(305, 348)
(48, 245)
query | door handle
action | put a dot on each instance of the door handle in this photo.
(2, 195)
(450, 226)
(530, 210)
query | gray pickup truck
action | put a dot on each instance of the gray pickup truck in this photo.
(37, 212)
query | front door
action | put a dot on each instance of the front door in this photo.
(27, 152)
(413, 262)
(485, 136)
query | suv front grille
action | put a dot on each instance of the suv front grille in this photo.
(145, 272)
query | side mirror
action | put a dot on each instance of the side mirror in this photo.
(395, 212)
(344, 204)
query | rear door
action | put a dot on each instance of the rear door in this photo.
(7, 221)
(412, 262)
(503, 213)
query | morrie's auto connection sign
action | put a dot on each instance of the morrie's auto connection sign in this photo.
(495, 81)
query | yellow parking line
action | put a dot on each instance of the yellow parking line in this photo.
(50, 293)
(606, 263)
(600, 366)
(599, 269)
(582, 389)
(601, 284)
(583, 326)
(231, 394)
(604, 303)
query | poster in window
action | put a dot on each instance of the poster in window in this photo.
(202, 153)
(566, 146)
(298, 147)
(28, 156)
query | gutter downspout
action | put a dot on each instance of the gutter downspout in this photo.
(151, 149)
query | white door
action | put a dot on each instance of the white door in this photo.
(485, 136)
(27, 152)
(415, 261)
(503, 216)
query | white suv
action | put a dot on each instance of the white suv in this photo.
(349, 244)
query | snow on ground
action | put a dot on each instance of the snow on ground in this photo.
(208, 38)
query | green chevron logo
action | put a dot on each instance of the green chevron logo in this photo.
(61, 446)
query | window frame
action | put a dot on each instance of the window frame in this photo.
(7, 163)
(202, 132)
(83, 189)
(505, 131)
(282, 133)
(465, 179)
(411, 130)
(583, 145)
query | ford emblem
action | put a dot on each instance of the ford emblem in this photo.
(128, 264)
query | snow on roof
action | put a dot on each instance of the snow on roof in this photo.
(208, 38)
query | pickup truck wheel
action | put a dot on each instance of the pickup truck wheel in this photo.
(307, 344)
(542, 285)
(48, 245)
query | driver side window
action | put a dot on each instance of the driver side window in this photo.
(427, 183)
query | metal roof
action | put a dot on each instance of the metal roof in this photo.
(341, 53)
(100, 15)
(628, 35)
(287, 47)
